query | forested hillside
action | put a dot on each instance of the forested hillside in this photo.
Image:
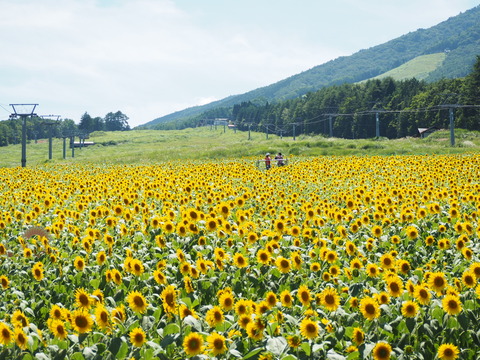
(401, 106)
(457, 37)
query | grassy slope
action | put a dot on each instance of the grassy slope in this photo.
(150, 146)
(419, 68)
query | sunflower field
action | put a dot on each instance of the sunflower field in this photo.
(326, 258)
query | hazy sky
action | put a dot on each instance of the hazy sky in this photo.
(149, 58)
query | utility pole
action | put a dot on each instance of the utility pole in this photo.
(377, 125)
(294, 130)
(451, 113)
(24, 111)
(330, 125)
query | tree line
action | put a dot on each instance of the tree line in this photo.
(402, 106)
(39, 128)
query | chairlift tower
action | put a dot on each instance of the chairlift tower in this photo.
(23, 111)
(50, 124)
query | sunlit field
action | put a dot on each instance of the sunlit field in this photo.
(327, 258)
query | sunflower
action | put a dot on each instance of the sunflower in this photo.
(159, 277)
(227, 301)
(358, 336)
(283, 264)
(214, 316)
(116, 276)
(240, 261)
(20, 338)
(447, 352)
(137, 337)
(102, 316)
(294, 341)
(56, 312)
(101, 257)
(254, 331)
(19, 319)
(82, 299)
(475, 268)
(4, 281)
(263, 257)
(403, 266)
(315, 267)
(382, 297)
(377, 231)
(193, 344)
(81, 321)
(309, 328)
(304, 295)
(382, 351)
(244, 320)
(136, 267)
(369, 308)
(118, 314)
(57, 327)
(137, 302)
(243, 307)
(409, 308)
(387, 261)
(271, 299)
(331, 256)
(184, 311)
(37, 272)
(372, 270)
(469, 279)
(395, 286)
(437, 282)
(169, 296)
(216, 344)
(451, 304)
(412, 232)
(6, 334)
(330, 299)
(422, 294)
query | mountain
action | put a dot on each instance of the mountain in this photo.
(452, 45)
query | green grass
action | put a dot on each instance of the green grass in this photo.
(418, 68)
(152, 146)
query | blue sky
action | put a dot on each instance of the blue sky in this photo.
(149, 58)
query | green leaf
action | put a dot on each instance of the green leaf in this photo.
(354, 355)
(332, 355)
(235, 353)
(73, 338)
(123, 351)
(290, 357)
(171, 329)
(252, 353)
(115, 345)
(90, 352)
(276, 345)
(306, 348)
(410, 324)
(77, 356)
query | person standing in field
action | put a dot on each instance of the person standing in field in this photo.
(279, 158)
(268, 161)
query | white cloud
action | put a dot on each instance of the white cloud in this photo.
(148, 58)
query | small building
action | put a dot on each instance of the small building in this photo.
(424, 132)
